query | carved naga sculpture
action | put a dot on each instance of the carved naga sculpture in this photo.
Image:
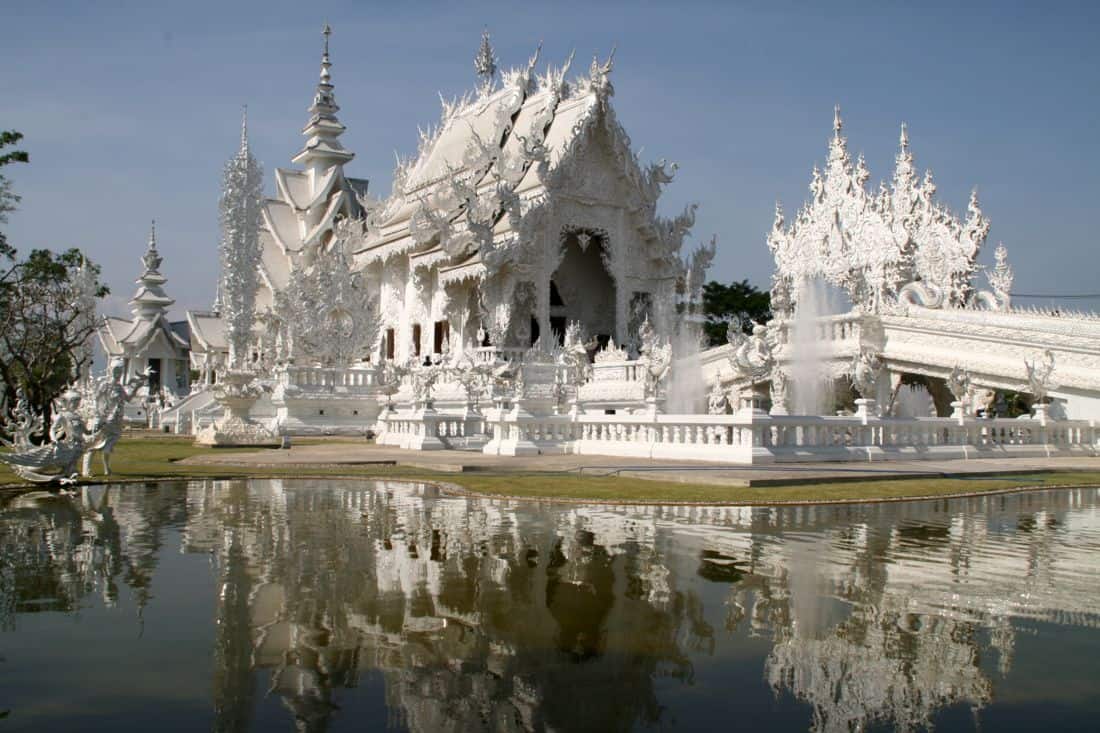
(108, 402)
(58, 459)
(752, 355)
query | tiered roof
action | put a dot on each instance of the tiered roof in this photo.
(309, 201)
(497, 151)
(149, 305)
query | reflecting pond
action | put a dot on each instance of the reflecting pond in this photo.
(339, 605)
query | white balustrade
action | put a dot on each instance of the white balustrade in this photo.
(757, 438)
(326, 379)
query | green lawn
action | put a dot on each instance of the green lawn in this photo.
(156, 457)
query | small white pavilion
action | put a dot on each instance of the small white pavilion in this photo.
(149, 339)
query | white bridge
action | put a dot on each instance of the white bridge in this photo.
(992, 346)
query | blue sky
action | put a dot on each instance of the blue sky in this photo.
(131, 109)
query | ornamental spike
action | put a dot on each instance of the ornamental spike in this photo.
(485, 62)
(244, 128)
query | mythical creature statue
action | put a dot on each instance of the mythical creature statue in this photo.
(958, 382)
(108, 398)
(56, 460)
(717, 401)
(22, 424)
(866, 368)
(752, 355)
(1039, 376)
(658, 356)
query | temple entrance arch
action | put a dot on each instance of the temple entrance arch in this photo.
(582, 288)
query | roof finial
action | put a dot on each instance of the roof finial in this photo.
(244, 128)
(324, 101)
(325, 63)
(837, 122)
(904, 136)
(485, 63)
(151, 259)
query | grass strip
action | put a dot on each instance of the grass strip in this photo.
(138, 458)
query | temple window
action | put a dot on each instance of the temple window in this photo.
(441, 334)
(389, 345)
(416, 339)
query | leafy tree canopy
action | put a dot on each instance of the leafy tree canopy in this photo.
(47, 312)
(738, 301)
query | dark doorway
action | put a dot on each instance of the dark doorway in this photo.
(442, 334)
(154, 376)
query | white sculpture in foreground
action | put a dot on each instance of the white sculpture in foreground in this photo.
(103, 403)
(56, 459)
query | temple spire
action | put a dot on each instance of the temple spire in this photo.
(904, 141)
(837, 122)
(323, 129)
(150, 300)
(485, 63)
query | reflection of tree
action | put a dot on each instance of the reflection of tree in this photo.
(55, 550)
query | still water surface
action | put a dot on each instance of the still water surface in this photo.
(283, 605)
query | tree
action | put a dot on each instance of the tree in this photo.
(8, 200)
(738, 300)
(44, 319)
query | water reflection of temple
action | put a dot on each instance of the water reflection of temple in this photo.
(477, 619)
(485, 614)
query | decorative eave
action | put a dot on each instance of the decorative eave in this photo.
(271, 227)
(322, 189)
(471, 269)
(338, 202)
(429, 258)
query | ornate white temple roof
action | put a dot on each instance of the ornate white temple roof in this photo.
(207, 331)
(129, 337)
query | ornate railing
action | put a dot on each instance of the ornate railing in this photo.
(329, 379)
(492, 354)
(756, 438)
(839, 328)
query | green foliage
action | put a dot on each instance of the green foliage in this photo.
(43, 321)
(737, 301)
(8, 200)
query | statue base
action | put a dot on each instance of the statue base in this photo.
(237, 393)
(237, 432)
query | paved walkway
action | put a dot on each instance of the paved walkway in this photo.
(339, 453)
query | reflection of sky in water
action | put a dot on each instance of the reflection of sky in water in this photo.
(237, 606)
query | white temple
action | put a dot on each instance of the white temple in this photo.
(149, 340)
(516, 292)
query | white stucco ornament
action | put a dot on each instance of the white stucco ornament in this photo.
(55, 460)
(873, 243)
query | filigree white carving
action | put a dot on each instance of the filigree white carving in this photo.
(872, 244)
(242, 188)
(56, 460)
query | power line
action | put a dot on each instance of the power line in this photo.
(1056, 295)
